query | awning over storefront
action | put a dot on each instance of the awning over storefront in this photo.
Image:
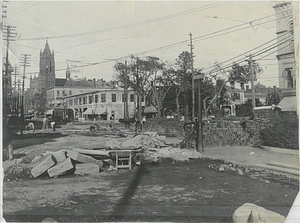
(89, 111)
(150, 109)
(100, 110)
(288, 104)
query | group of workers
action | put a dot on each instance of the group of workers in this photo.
(46, 123)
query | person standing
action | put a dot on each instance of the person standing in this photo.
(45, 123)
(7, 140)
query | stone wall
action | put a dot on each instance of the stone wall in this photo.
(225, 133)
(215, 132)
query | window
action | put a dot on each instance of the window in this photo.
(90, 99)
(123, 97)
(96, 98)
(143, 98)
(63, 93)
(113, 97)
(131, 97)
(103, 97)
(79, 101)
(57, 92)
(70, 92)
(76, 101)
(84, 100)
(236, 96)
(70, 102)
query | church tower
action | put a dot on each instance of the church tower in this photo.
(47, 69)
(285, 41)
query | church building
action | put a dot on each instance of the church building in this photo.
(47, 69)
(287, 67)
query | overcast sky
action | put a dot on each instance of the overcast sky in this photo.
(103, 31)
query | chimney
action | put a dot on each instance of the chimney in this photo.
(247, 87)
(94, 82)
(242, 86)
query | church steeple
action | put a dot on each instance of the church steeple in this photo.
(47, 48)
(47, 68)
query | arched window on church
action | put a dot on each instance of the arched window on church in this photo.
(289, 79)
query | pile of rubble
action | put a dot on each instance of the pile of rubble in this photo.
(148, 147)
(65, 161)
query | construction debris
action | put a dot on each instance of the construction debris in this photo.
(92, 152)
(86, 168)
(60, 168)
(149, 147)
(43, 166)
(83, 158)
(59, 156)
(177, 154)
(144, 141)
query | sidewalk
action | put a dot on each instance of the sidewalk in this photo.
(275, 159)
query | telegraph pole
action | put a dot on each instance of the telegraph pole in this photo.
(8, 36)
(25, 63)
(252, 85)
(126, 115)
(193, 75)
(15, 89)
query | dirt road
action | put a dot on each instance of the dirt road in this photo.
(168, 191)
(163, 191)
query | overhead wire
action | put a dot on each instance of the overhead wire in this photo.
(134, 24)
(167, 46)
(243, 54)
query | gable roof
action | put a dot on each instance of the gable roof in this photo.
(60, 82)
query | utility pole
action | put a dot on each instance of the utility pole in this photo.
(199, 127)
(252, 84)
(8, 36)
(15, 88)
(193, 75)
(25, 63)
(126, 115)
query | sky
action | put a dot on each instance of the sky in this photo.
(104, 32)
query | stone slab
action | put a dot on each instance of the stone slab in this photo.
(83, 158)
(86, 168)
(252, 213)
(60, 168)
(60, 155)
(43, 166)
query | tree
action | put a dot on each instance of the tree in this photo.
(236, 74)
(158, 80)
(123, 82)
(182, 80)
(272, 98)
(137, 79)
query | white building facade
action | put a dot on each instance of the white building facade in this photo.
(101, 104)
